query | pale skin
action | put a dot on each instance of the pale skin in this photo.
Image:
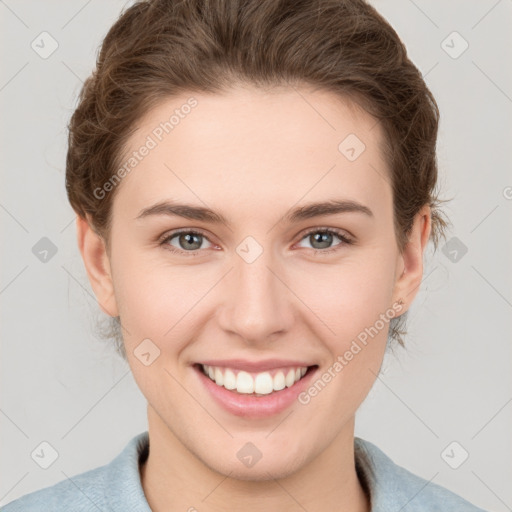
(251, 156)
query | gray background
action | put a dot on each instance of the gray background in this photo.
(62, 385)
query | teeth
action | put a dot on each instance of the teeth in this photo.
(263, 384)
(219, 378)
(279, 382)
(229, 380)
(244, 383)
(260, 383)
(290, 378)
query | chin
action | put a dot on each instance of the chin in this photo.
(263, 469)
(260, 474)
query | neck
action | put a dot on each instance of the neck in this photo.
(175, 479)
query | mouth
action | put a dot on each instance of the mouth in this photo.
(255, 383)
(254, 390)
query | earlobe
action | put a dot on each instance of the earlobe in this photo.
(97, 265)
(411, 261)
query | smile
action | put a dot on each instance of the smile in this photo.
(254, 389)
(257, 384)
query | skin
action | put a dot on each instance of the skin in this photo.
(252, 155)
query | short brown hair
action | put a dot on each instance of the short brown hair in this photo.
(160, 48)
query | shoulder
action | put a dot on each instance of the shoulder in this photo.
(81, 492)
(107, 487)
(392, 486)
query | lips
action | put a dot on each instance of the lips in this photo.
(254, 389)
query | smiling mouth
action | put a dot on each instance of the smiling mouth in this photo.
(255, 383)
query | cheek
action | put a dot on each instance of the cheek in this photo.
(355, 312)
(157, 300)
(350, 296)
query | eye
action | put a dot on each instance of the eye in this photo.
(322, 238)
(188, 242)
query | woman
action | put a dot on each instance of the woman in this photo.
(254, 183)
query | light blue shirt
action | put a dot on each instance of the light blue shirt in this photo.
(117, 487)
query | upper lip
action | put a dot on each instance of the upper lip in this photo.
(255, 366)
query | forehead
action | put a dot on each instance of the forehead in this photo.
(249, 147)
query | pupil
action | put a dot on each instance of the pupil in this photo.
(323, 238)
(188, 239)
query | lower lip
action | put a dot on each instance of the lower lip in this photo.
(250, 406)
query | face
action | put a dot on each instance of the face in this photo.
(265, 290)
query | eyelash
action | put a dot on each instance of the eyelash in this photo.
(167, 237)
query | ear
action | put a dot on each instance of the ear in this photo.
(410, 263)
(97, 264)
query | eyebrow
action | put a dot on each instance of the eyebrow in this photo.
(300, 213)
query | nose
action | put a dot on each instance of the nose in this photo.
(257, 304)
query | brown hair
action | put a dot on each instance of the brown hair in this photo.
(160, 48)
